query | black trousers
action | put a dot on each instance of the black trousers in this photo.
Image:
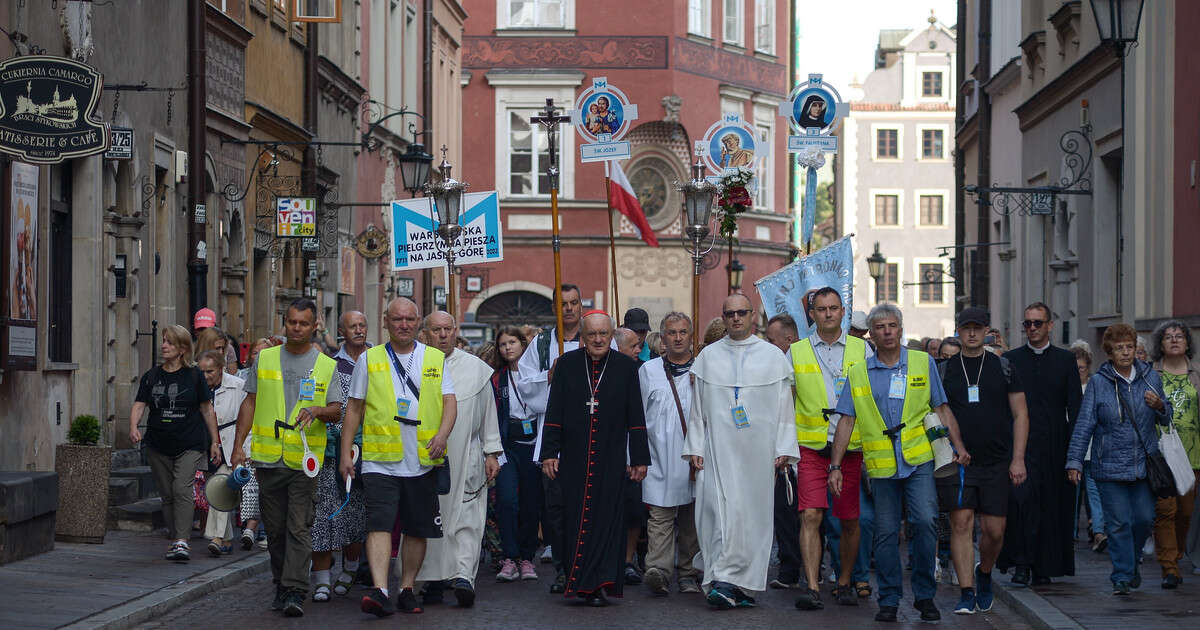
(552, 522)
(787, 526)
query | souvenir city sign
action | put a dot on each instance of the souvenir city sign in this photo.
(603, 116)
(296, 217)
(814, 110)
(47, 109)
(415, 243)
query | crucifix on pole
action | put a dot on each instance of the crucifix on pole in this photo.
(550, 119)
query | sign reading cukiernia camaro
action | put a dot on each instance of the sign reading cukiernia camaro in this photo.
(48, 107)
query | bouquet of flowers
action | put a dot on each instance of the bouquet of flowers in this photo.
(735, 198)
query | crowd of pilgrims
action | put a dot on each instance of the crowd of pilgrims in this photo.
(618, 456)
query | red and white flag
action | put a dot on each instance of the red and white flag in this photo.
(626, 202)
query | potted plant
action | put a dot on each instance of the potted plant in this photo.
(82, 468)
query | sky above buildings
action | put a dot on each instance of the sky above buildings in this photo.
(838, 38)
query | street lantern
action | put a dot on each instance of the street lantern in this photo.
(736, 271)
(414, 167)
(446, 198)
(1117, 20)
(875, 263)
(699, 194)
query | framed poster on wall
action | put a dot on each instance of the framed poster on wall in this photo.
(18, 343)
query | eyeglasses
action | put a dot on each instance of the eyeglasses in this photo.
(743, 312)
(1174, 338)
(1033, 323)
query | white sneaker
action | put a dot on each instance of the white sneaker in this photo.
(247, 539)
(547, 556)
(262, 544)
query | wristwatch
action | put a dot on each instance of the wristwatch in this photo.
(833, 467)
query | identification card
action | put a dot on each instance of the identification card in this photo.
(896, 389)
(839, 386)
(740, 419)
(527, 427)
(973, 393)
(308, 389)
(402, 405)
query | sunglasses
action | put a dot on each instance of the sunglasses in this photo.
(738, 313)
(1033, 323)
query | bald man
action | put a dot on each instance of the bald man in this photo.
(628, 343)
(593, 415)
(472, 451)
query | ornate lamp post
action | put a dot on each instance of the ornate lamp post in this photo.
(736, 271)
(698, 197)
(447, 198)
(414, 168)
(875, 263)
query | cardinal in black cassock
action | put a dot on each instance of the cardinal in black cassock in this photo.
(594, 417)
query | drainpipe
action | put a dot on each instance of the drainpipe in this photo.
(980, 272)
(960, 169)
(197, 127)
(427, 110)
(308, 168)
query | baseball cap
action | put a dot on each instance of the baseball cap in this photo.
(974, 315)
(858, 320)
(637, 320)
(205, 318)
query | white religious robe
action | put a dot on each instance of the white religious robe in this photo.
(735, 491)
(667, 482)
(475, 433)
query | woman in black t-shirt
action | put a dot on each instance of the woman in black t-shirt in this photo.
(180, 432)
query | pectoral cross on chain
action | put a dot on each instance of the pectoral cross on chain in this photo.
(592, 404)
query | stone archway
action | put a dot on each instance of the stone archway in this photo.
(517, 308)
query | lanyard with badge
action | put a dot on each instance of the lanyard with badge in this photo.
(741, 419)
(403, 404)
(839, 379)
(308, 388)
(972, 390)
(526, 421)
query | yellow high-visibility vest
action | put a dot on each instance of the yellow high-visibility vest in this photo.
(812, 429)
(878, 454)
(272, 440)
(381, 431)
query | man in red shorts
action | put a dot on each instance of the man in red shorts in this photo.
(821, 364)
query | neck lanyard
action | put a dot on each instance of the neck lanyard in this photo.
(979, 376)
(512, 387)
(835, 371)
(402, 372)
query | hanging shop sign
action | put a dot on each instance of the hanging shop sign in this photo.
(814, 110)
(120, 145)
(416, 244)
(48, 107)
(602, 116)
(371, 243)
(296, 217)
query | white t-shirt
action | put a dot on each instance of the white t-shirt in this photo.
(410, 466)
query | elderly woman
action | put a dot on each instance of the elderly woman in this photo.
(1171, 350)
(1120, 408)
(1083, 362)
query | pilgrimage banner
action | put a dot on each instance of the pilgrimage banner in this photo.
(415, 244)
(831, 266)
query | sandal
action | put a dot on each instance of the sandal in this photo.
(321, 593)
(342, 585)
(863, 589)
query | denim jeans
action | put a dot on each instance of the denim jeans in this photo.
(866, 532)
(1129, 514)
(920, 495)
(1093, 498)
(519, 502)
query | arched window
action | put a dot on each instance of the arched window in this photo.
(517, 308)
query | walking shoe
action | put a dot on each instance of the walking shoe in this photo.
(547, 555)
(743, 598)
(1020, 576)
(809, 600)
(247, 539)
(844, 595)
(778, 583)
(721, 598)
(1172, 580)
(464, 592)
(597, 599)
(1040, 580)
(984, 597)
(1136, 582)
(1121, 588)
(293, 604)
(1100, 543)
(179, 551)
(376, 603)
(886, 614)
(262, 543)
(657, 581)
(433, 593)
(527, 572)
(406, 602)
(214, 548)
(560, 584)
(280, 594)
(632, 576)
(929, 611)
(321, 593)
(689, 585)
(966, 603)
(508, 571)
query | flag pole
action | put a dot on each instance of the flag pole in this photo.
(612, 239)
(550, 119)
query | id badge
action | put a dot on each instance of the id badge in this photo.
(896, 390)
(402, 405)
(740, 419)
(973, 393)
(527, 427)
(308, 389)
(839, 386)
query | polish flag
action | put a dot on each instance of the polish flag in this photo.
(626, 202)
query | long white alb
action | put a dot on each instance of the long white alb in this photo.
(667, 482)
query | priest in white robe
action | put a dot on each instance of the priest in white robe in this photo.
(740, 428)
(472, 450)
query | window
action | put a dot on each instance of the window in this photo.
(887, 210)
(889, 284)
(537, 13)
(931, 84)
(932, 146)
(58, 347)
(526, 167)
(931, 210)
(764, 26)
(733, 22)
(929, 275)
(762, 196)
(699, 17)
(887, 143)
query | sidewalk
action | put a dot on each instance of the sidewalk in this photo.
(1086, 600)
(117, 584)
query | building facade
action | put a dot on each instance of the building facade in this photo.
(683, 64)
(896, 177)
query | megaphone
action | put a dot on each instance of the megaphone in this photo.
(309, 464)
(224, 490)
(943, 452)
